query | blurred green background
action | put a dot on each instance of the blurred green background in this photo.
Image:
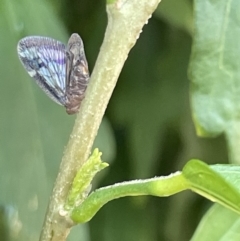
(147, 130)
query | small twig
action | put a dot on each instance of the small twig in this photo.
(125, 21)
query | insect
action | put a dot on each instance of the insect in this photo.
(60, 71)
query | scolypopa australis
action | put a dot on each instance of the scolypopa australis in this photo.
(60, 71)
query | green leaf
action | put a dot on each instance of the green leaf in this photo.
(212, 185)
(230, 173)
(215, 71)
(82, 182)
(31, 141)
(217, 224)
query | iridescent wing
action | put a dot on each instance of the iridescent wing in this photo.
(45, 60)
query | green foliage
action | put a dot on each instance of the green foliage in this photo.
(215, 72)
(31, 145)
(33, 129)
(218, 223)
(149, 113)
(207, 182)
(83, 179)
(216, 184)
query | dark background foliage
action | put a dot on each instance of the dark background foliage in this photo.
(147, 131)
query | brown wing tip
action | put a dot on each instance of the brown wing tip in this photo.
(75, 38)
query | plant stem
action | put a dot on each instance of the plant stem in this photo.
(125, 21)
(158, 186)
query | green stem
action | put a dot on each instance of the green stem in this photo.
(160, 187)
(233, 140)
(126, 19)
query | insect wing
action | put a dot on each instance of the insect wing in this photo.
(77, 74)
(45, 60)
